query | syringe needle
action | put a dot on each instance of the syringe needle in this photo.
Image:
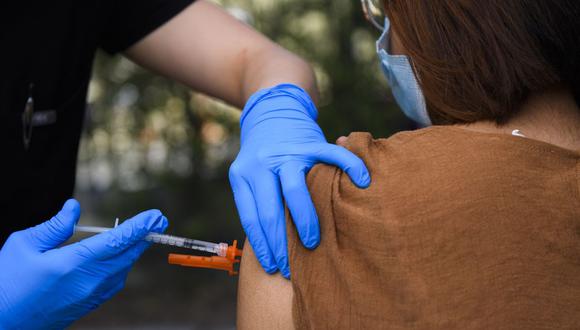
(217, 248)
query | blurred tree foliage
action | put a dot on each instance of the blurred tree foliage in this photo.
(146, 135)
(145, 132)
(150, 142)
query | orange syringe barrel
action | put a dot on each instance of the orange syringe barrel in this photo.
(222, 263)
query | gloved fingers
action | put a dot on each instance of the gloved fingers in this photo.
(117, 284)
(52, 233)
(108, 268)
(272, 218)
(352, 165)
(113, 284)
(103, 289)
(115, 241)
(246, 206)
(128, 257)
(299, 201)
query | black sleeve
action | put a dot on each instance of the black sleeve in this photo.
(129, 21)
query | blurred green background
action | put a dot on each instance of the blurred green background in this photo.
(152, 143)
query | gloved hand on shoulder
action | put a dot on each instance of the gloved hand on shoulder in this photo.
(281, 142)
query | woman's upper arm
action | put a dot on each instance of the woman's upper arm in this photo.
(264, 301)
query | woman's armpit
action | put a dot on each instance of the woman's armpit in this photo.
(264, 301)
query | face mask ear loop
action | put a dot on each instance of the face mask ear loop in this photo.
(415, 106)
(419, 93)
(383, 38)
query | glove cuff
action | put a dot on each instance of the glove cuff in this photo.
(283, 90)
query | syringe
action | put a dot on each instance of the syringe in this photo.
(218, 248)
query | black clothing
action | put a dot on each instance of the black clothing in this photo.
(47, 51)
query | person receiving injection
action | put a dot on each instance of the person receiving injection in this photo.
(46, 286)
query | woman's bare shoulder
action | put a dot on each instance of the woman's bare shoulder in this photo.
(264, 301)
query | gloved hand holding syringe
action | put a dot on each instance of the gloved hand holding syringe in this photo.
(228, 255)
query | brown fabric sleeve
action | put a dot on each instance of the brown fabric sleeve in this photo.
(321, 266)
(302, 272)
(458, 230)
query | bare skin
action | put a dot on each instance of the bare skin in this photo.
(550, 117)
(210, 51)
(264, 301)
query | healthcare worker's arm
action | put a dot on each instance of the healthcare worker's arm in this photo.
(212, 52)
(43, 286)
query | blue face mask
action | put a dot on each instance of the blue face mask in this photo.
(402, 80)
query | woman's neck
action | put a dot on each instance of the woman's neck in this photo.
(552, 117)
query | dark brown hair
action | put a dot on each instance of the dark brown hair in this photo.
(480, 59)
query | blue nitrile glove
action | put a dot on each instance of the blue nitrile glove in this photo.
(280, 143)
(45, 287)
